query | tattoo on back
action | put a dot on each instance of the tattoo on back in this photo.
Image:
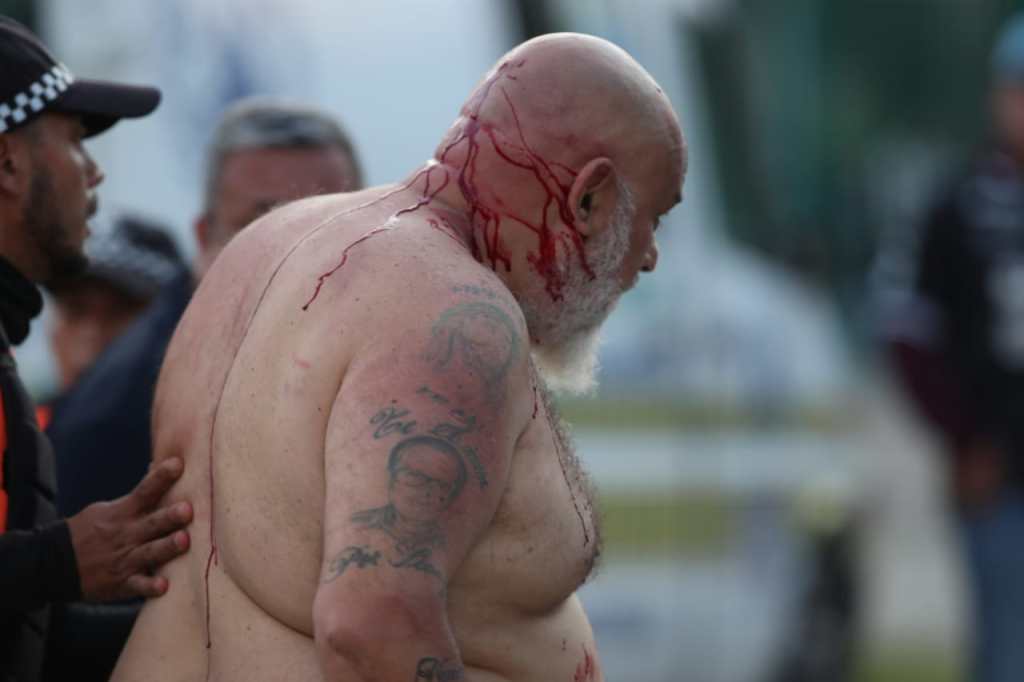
(482, 337)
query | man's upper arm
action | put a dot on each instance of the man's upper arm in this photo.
(419, 443)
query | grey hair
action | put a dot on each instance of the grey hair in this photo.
(267, 122)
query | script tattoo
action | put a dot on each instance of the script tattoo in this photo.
(438, 670)
(463, 424)
(433, 395)
(480, 335)
(388, 421)
(418, 560)
(361, 556)
(425, 475)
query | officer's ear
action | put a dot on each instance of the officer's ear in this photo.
(15, 163)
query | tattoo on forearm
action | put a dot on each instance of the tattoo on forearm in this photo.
(439, 670)
(418, 560)
(362, 556)
(388, 421)
(425, 476)
(482, 337)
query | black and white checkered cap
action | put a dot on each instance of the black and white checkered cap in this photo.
(33, 81)
(23, 105)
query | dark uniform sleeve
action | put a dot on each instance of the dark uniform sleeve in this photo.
(37, 567)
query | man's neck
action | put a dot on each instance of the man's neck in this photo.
(439, 183)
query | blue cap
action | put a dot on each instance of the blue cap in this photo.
(1008, 55)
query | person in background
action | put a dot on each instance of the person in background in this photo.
(128, 266)
(957, 340)
(264, 152)
(47, 193)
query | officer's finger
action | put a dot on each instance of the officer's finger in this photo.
(140, 585)
(156, 483)
(154, 554)
(162, 522)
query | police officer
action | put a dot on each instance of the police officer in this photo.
(47, 192)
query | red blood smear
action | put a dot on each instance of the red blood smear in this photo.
(344, 259)
(424, 199)
(553, 177)
(586, 671)
(212, 559)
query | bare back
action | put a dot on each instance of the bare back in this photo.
(285, 389)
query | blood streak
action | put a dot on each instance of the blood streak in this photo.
(213, 559)
(586, 671)
(554, 178)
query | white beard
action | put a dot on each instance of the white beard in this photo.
(570, 330)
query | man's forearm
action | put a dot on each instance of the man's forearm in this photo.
(37, 567)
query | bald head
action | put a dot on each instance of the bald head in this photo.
(578, 97)
(557, 130)
(563, 158)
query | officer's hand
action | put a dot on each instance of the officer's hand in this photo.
(118, 544)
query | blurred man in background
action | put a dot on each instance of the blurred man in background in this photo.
(128, 266)
(47, 194)
(958, 341)
(387, 492)
(264, 153)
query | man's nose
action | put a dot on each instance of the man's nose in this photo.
(651, 258)
(94, 173)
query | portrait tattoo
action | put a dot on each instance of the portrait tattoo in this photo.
(438, 670)
(481, 336)
(361, 556)
(425, 475)
(449, 431)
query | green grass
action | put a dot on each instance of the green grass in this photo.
(651, 413)
(913, 664)
(665, 525)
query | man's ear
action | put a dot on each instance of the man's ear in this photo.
(593, 196)
(15, 169)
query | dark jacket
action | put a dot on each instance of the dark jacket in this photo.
(100, 432)
(37, 561)
(963, 359)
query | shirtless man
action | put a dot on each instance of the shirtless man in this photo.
(381, 489)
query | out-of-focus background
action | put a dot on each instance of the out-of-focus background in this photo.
(771, 500)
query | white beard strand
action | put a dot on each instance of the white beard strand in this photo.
(568, 362)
